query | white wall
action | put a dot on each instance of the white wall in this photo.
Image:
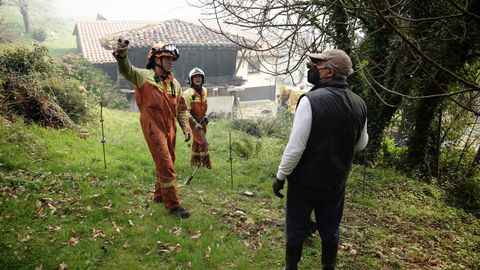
(254, 79)
(262, 79)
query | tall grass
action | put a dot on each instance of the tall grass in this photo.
(58, 205)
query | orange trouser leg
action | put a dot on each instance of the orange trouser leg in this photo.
(200, 149)
(162, 148)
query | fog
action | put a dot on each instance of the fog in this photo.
(127, 10)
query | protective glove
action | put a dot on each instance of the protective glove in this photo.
(277, 186)
(188, 135)
(195, 124)
(121, 49)
(205, 120)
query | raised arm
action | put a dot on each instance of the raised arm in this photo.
(129, 72)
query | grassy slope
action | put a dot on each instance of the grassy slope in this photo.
(58, 205)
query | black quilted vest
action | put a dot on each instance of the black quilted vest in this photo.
(338, 118)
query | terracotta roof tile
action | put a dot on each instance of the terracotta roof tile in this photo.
(93, 34)
(89, 34)
(177, 32)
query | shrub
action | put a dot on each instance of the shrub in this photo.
(39, 35)
(96, 81)
(278, 126)
(247, 126)
(468, 193)
(25, 60)
(392, 154)
(70, 95)
(26, 98)
(246, 148)
(22, 69)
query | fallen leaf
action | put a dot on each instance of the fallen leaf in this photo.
(167, 248)
(18, 255)
(54, 228)
(25, 238)
(248, 193)
(239, 213)
(38, 203)
(231, 265)
(39, 267)
(8, 215)
(125, 246)
(74, 240)
(130, 223)
(176, 230)
(97, 233)
(346, 247)
(61, 266)
(117, 228)
(435, 262)
(207, 253)
(197, 235)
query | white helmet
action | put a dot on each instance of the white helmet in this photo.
(196, 71)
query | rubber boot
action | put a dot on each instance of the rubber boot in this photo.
(180, 212)
(329, 256)
(292, 256)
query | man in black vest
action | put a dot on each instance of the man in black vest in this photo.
(330, 124)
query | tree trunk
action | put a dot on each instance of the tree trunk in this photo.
(418, 141)
(340, 24)
(379, 115)
(26, 18)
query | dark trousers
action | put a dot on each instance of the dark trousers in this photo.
(328, 214)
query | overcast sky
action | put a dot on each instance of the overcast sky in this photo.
(128, 10)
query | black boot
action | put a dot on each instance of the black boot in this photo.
(180, 212)
(329, 256)
(292, 256)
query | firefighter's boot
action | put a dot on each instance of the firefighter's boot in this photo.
(292, 256)
(329, 256)
(180, 212)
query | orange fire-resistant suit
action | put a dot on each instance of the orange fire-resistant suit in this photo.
(197, 106)
(159, 104)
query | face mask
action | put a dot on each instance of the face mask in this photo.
(313, 75)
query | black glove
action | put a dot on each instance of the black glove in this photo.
(205, 120)
(277, 186)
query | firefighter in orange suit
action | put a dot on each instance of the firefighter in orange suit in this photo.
(196, 99)
(160, 101)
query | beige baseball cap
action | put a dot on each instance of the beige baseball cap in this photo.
(337, 58)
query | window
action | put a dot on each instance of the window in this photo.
(253, 65)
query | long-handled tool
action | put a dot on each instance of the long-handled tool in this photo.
(190, 178)
(103, 134)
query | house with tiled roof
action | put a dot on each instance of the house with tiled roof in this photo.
(218, 56)
(89, 34)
